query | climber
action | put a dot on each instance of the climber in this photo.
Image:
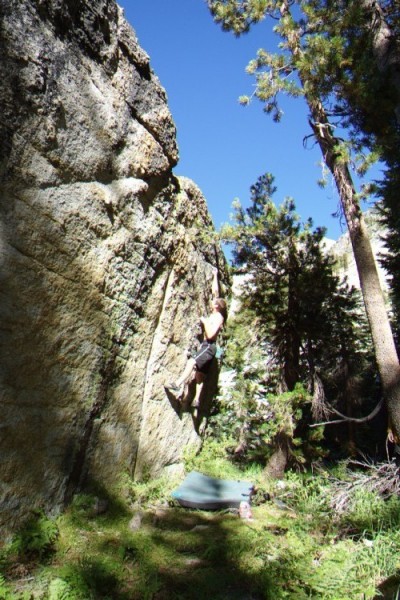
(198, 366)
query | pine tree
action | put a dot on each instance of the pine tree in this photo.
(290, 284)
(303, 319)
(368, 99)
(304, 67)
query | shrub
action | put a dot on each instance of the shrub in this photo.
(36, 537)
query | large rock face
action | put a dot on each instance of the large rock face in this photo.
(105, 256)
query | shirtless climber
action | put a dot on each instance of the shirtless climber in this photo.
(198, 366)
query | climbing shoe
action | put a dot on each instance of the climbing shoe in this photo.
(174, 389)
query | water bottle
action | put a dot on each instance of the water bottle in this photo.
(245, 510)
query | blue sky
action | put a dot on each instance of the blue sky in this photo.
(223, 146)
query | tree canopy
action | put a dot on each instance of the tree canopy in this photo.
(315, 59)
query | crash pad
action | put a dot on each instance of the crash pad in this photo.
(209, 493)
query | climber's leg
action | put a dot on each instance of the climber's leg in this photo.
(199, 387)
(187, 373)
(177, 387)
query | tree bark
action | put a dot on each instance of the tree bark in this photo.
(278, 461)
(385, 47)
(292, 349)
(381, 332)
(385, 350)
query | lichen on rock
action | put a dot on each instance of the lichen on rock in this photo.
(103, 256)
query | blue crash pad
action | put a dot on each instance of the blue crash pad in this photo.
(209, 493)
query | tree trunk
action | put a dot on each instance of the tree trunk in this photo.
(385, 350)
(349, 401)
(385, 47)
(278, 461)
(293, 341)
(381, 332)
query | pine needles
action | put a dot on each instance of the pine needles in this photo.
(382, 479)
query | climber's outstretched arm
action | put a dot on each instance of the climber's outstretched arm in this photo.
(214, 284)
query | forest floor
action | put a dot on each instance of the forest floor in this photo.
(139, 545)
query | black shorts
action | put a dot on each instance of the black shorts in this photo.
(205, 355)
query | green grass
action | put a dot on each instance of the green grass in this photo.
(299, 552)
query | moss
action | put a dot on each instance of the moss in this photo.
(291, 549)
